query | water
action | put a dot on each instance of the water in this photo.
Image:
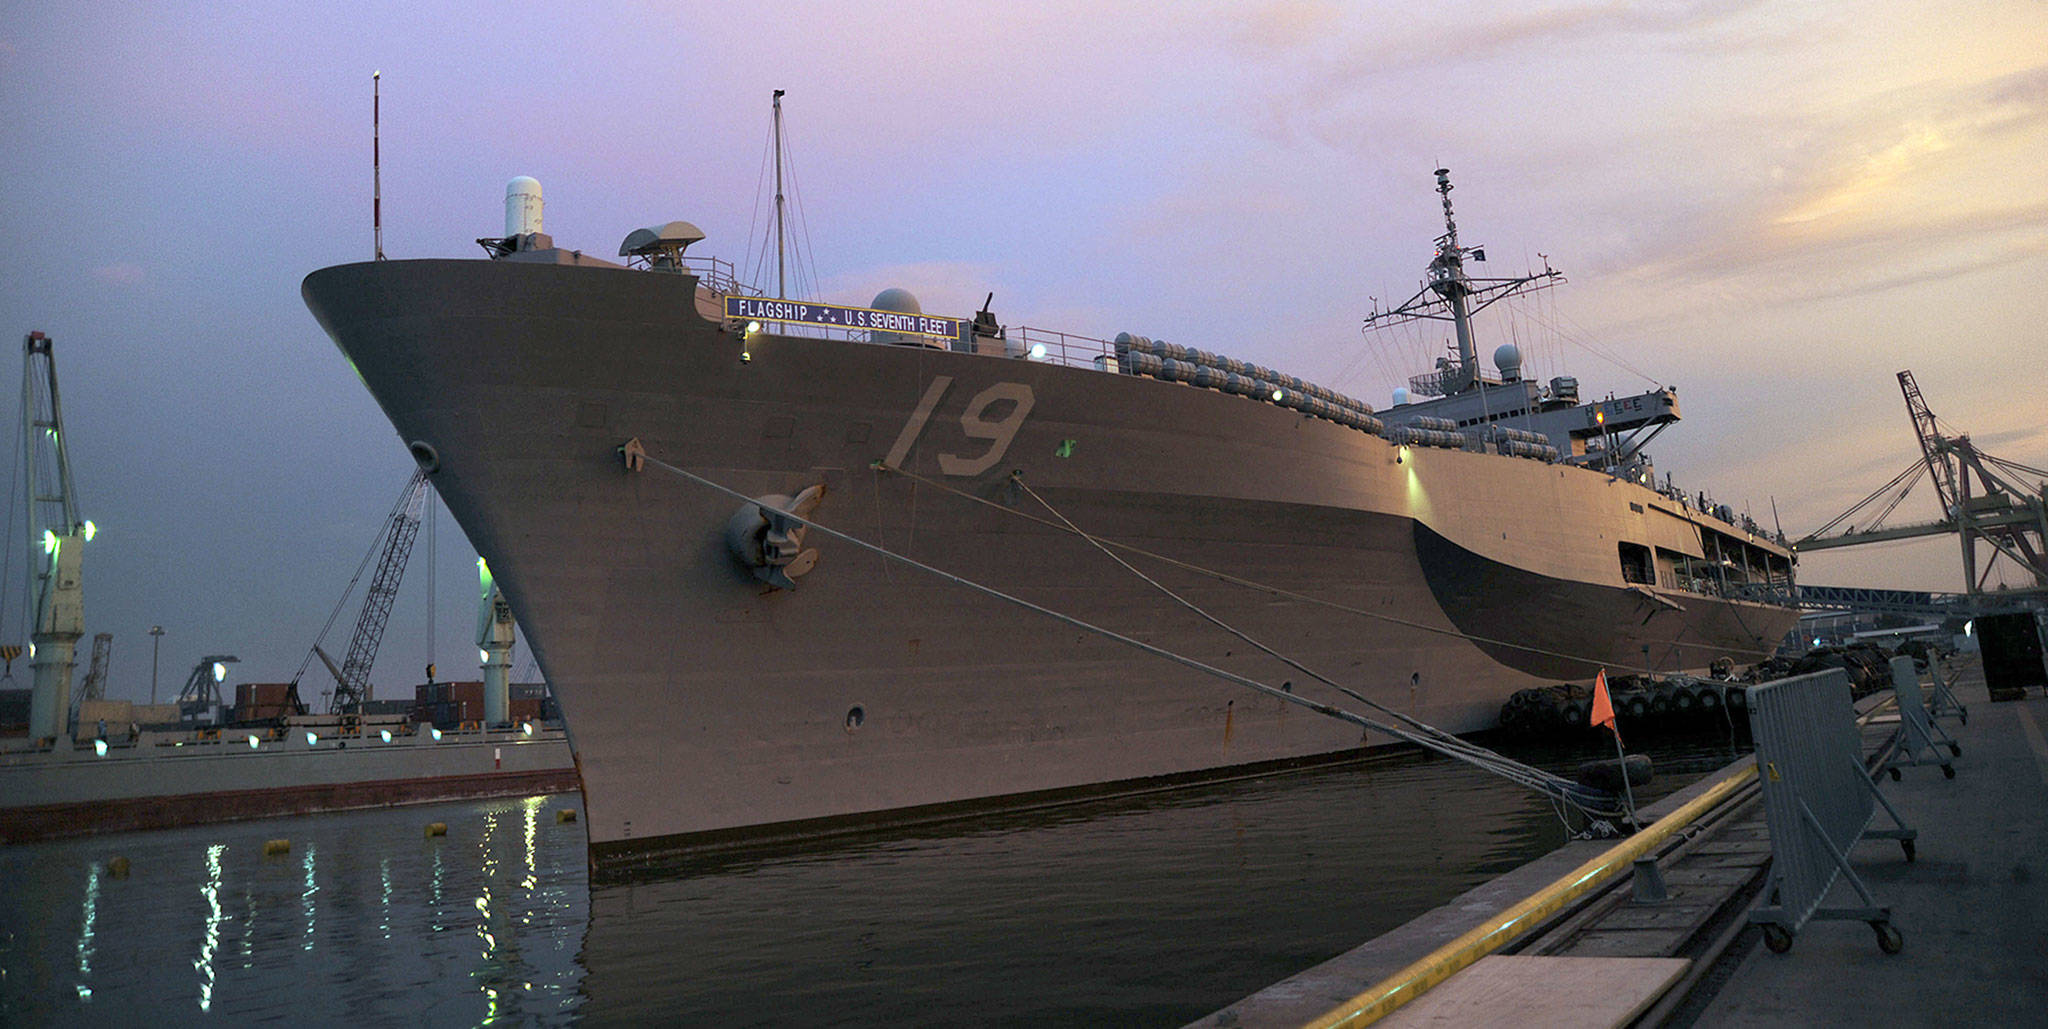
(1139, 911)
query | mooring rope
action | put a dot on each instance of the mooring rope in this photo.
(1594, 802)
(1322, 602)
(1423, 734)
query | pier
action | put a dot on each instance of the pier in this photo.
(1969, 909)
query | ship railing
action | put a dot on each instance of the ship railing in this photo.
(719, 276)
(1067, 348)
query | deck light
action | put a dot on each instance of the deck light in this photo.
(385, 735)
(437, 733)
(526, 727)
(484, 656)
(99, 747)
(312, 737)
(254, 743)
(220, 672)
(91, 530)
(1038, 351)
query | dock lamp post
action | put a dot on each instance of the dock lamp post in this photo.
(156, 642)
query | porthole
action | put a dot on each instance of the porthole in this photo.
(424, 453)
(855, 717)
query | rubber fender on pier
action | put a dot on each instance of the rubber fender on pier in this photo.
(275, 847)
(437, 829)
(1607, 773)
(118, 868)
(565, 816)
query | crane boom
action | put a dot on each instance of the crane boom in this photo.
(401, 529)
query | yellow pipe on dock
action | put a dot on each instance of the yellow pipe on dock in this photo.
(1493, 934)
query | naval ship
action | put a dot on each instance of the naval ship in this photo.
(771, 553)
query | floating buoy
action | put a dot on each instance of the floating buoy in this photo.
(271, 847)
(567, 814)
(437, 828)
(1607, 774)
(118, 868)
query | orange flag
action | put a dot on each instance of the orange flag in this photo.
(1603, 705)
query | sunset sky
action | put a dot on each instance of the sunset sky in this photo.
(1775, 207)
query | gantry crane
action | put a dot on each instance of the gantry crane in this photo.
(1983, 500)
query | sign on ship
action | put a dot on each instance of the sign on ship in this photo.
(799, 312)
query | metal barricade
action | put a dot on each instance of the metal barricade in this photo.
(1818, 801)
(1917, 730)
(1944, 703)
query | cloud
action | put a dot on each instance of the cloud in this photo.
(120, 274)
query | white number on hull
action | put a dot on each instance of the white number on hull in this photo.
(974, 421)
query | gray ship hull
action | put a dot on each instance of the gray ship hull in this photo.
(703, 704)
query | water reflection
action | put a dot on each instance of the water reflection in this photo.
(1151, 910)
(351, 924)
(89, 915)
(210, 942)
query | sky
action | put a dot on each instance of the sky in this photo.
(1774, 207)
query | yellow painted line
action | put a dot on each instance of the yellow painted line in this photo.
(1409, 983)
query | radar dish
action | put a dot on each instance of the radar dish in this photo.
(668, 239)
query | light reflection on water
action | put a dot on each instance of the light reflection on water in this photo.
(1148, 910)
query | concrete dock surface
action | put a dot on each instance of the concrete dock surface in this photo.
(1973, 908)
(1973, 911)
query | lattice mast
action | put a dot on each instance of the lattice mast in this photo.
(1449, 294)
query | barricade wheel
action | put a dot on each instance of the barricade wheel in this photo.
(1888, 938)
(1955, 750)
(1778, 938)
(1948, 771)
(1911, 852)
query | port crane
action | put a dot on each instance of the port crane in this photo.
(352, 679)
(57, 538)
(1984, 501)
(95, 685)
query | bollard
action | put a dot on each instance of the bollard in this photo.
(118, 868)
(273, 847)
(437, 828)
(565, 815)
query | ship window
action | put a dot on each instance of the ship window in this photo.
(1636, 565)
(855, 717)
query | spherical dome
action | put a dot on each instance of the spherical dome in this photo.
(898, 300)
(1400, 395)
(1508, 358)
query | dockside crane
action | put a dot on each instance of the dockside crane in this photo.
(1984, 499)
(57, 538)
(95, 685)
(352, 686)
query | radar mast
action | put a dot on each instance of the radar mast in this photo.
(1448, 294)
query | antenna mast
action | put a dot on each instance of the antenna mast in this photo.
(377, 160)
(1451, 295)
(781, 289)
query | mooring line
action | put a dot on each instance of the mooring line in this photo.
(1425, 735)
(1318, 601)
(1585, 798)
